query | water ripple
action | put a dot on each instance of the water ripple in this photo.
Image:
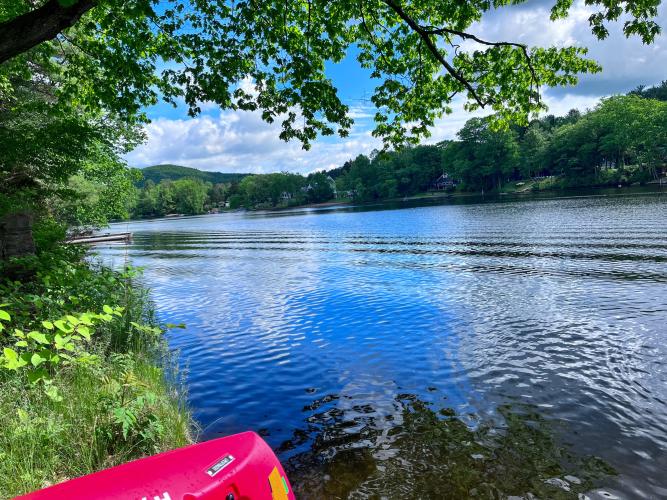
(313, 326)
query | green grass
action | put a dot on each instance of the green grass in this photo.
(123, 406)
(43, 442)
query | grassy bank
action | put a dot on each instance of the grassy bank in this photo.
(84, 372)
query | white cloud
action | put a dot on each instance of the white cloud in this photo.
(242, 142)
(626, 62)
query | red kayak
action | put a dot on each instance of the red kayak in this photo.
(239, 467)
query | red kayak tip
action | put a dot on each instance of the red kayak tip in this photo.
(238, 467)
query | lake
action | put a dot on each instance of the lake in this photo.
(475, 348)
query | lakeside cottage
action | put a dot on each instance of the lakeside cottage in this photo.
(443, 182)
(330, 181)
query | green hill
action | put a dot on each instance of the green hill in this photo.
(157, 173)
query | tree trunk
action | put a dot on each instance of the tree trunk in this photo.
(28, 30)
(16, 235)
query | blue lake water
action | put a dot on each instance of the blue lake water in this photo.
(314, 327)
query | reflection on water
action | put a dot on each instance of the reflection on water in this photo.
(311, 326)
(414, 452)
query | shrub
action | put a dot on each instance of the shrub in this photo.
(81, 387)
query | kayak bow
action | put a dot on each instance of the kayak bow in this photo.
(238, 467)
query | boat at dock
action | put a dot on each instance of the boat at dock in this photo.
(100, 238)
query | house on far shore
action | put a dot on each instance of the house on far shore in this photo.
(332, 184)
(441, 183)
(330, 181)
(285, 196)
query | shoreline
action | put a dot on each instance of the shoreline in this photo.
(552, 193)
(652, 188)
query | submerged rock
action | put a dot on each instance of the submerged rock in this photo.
(558, 483)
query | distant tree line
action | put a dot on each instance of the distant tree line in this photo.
(183, 196)
(281, 189)
(623, 140)
(192, 196)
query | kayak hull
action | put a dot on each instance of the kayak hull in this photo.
(238, 467)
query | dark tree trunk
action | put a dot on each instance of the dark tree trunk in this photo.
(26, 31)
(16, 235)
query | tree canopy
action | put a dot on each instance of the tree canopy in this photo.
(121, 55)
(61, 154)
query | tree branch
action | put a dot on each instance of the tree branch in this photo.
(28, 30)
(470, 36)
(430, 45)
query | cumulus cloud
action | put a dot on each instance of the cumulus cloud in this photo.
(241, 142)
(626, 62)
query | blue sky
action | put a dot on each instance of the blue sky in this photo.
(228, 141)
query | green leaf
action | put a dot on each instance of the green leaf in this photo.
(107, 309)
(86, 319)
(38, 374)
(62, 326)
(73, 320)
(37, 360)
(38, 337)
(12, 360)
(126, 418)
(4, 315)
(10, 354)
(52, 393)
(21, 343)
(61, 342)
(84, 331)
(175, 325)
(48, 325)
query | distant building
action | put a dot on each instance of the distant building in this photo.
(285, 196)
(443, 182)
(332, 183)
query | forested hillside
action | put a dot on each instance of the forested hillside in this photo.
(158, 173)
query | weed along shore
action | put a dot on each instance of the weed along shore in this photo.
(84, 372)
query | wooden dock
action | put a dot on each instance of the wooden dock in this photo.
(100, 238)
